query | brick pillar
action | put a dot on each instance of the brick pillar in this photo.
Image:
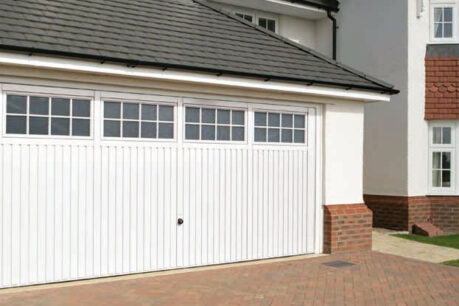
(347, 228)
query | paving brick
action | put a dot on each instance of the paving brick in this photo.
(374, 279)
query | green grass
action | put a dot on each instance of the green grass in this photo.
(454, 263)
(451, 241)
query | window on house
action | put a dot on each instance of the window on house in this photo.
(44, 115)
(247, 17)
(138, 120)
(280, 127)
(267, 23)
(442, 156)
(443, 22)
(203, 123)
(441, 169)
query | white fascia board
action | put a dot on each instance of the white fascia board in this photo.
(181, 76)
(279, 7)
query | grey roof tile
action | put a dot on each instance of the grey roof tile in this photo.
(179, 33)
(439, 50)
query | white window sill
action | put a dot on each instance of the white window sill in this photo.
(444, 42)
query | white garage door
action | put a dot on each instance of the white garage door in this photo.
(94, 187)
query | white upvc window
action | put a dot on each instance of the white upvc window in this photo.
(442, 157)
(38, 115)
(443, 22)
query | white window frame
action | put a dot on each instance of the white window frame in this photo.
(454, 36)
(452, 190)
(136, 139)
(276, 20)
(49, 93)
(216, 105)
(257, 15)
(245, 14)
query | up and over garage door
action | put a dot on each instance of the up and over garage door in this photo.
(96, 183)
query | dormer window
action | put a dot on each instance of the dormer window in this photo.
(247, 17)
(267, 23)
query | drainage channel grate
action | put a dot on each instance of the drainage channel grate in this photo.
(338, 264)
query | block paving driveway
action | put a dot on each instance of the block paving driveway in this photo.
(374, 279)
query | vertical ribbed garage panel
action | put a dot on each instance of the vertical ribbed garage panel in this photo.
(83, 209)
(224, 222)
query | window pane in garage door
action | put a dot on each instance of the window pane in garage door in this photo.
(214, 124)
(138, 120)
(274, 127)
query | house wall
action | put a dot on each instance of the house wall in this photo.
(343, 139)
(418, 37)
(298, 29)
(324, 37)
(370, 41)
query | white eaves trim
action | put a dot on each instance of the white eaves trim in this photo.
(152, 73)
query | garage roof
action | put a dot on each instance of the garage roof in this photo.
(182, 34)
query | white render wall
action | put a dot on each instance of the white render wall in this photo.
(418, 38)
(343, 143)
(324, 37)
(298, 29)
(373, 38)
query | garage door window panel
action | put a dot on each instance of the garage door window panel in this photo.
(138, 120)
(47, 116)
(273, 127)
(214, 124)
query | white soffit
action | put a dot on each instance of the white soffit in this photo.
(279, 7)
(182, 76)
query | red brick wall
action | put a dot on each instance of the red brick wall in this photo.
(445, 213)
(388, 211)
(418, 211)
(442, 86)
(347, 228)
(400, 213)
